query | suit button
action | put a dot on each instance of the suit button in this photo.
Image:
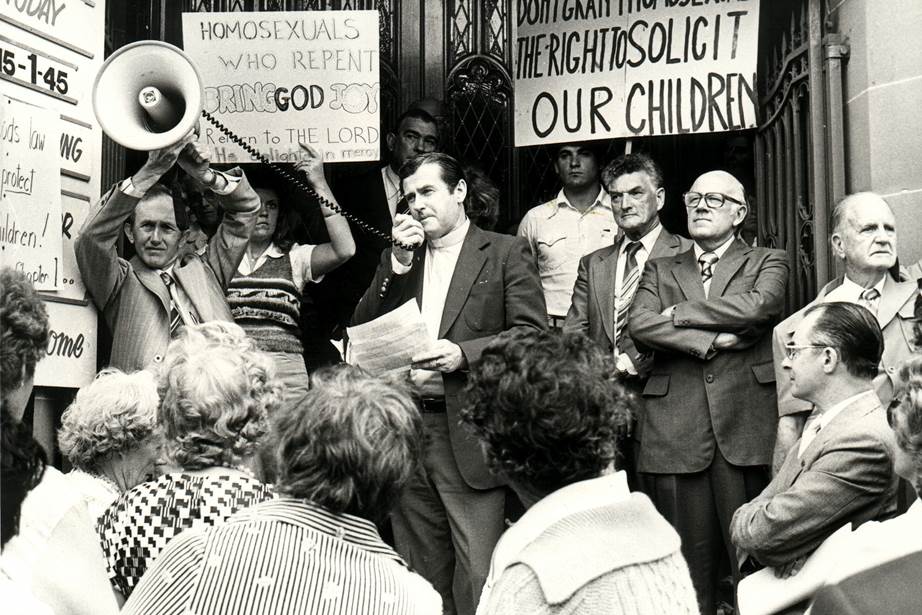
(890, 370)
(709, 378)
(158, 358)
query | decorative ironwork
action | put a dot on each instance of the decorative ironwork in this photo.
(480, 103)
(784, 205)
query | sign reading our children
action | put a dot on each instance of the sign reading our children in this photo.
(601, 69)
(277, 79)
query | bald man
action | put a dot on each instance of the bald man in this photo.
(864, 239)
(710, 412)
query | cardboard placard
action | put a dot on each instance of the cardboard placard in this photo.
(594, 69)
(277, 79)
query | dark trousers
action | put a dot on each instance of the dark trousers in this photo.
(445, 529)
(699, 506)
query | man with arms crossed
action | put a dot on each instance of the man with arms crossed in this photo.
(470, 284)
(710, 412)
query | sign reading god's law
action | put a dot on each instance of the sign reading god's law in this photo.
(600, 69)
(280, 78)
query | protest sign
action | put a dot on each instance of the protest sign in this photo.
(30, 192)
(600, 69)
(71, 358)
(277, 79)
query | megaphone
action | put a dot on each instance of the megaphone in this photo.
(147, 95)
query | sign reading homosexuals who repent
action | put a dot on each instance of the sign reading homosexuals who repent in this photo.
(280, 78)
(600, 69)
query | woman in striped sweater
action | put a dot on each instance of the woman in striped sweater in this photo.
(265, 295)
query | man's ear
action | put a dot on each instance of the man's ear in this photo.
(390, 138)
(830, 360)
(461, 190)
(741, 215)
(838, 248)
(660, 198)
(129, 233)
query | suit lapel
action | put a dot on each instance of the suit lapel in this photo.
(895, 296)
(688, 276)
(603, 272)
(665, 245)
(150, 280)
(470, 262)
(193, 277)
(727, 266)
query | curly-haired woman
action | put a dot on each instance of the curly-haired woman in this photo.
(546, 408)
(215, 390)
(108, 435)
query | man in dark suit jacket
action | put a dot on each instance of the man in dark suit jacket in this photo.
(841, 470)
(709, 418)
(374, 197)
(607, 278)
(144, 300)
(470, 285)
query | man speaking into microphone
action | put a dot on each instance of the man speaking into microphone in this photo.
(470, 285)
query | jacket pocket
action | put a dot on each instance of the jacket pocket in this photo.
(764, 372)
(657, 385)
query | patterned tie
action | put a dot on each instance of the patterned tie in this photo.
(868, 298)
(175, 315)
(626, 292)
(706, 262)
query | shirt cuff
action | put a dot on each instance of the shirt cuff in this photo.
(127, 186)
(398, 267)
(230, 186)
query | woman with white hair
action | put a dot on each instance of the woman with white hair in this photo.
(215, 390)
(108, 435)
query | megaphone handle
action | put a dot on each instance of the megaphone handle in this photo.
(297, 181)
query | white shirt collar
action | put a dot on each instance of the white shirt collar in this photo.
(826, 417)
(647, 241)
(602, 200)
(852, 291)
(248, 265)
(451, 238)
(720, 251)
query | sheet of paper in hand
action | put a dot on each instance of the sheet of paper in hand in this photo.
(388, 343)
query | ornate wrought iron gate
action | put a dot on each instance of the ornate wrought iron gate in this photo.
(798, 147)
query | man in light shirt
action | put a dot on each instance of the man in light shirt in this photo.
(864, 238)
(470, 285)
(842, 469)
(563, 230)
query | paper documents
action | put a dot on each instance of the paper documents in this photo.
(763, 593)
(387, 343)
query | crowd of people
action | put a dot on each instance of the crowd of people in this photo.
(608, 417)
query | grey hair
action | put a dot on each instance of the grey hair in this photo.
(350, 444)
(114, 413)
(216, 389)
(840, 211)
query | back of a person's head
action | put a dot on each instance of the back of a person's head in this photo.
(547, 407)
(115, 413)
(350, 444)
(22, 463)
(853, 331)
(23, 330)
(216, 390)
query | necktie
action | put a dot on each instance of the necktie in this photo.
(706, 262)
(626, 291)
(868, 298)
(810, 430)
(178, 316)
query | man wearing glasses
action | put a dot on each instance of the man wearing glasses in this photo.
(710, 412)
(841, 470)
(864, 237)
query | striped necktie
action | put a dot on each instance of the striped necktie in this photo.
(626, 291)
(175, 315)
(868, 298)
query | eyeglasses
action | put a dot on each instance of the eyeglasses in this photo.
(792, 350)
(713, 200)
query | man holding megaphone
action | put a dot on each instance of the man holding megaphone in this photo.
(146, 300)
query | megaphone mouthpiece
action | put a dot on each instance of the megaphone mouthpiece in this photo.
(162, 113)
